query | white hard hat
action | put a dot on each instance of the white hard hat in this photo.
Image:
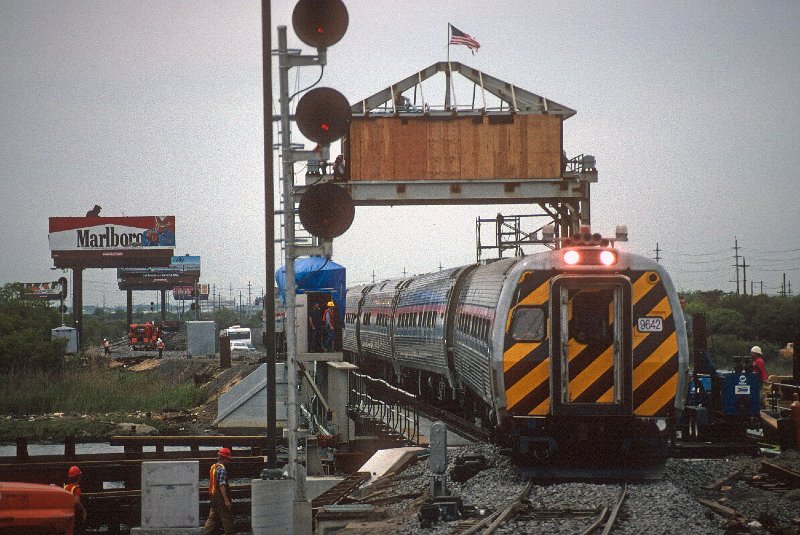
(757, 350)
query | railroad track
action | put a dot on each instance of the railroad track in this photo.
(604, 517)
(458, 425)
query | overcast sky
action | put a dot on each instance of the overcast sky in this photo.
(692, 110)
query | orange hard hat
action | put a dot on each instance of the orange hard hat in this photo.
(331, 304)
(74, 471)
(224, 452)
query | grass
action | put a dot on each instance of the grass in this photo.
(91, 401)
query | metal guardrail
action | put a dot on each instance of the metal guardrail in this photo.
(379, 401)
(780, 390)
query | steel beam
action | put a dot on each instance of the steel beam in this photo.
(440, 192)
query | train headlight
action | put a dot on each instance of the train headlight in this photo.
(608, 258)
(571, 257)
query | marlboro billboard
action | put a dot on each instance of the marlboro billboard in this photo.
(141, 241)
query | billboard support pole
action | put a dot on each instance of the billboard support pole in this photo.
(77, 303)
(129, 299)
(163, 305)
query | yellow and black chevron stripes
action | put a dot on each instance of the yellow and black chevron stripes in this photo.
(655, 354)
(526, 365)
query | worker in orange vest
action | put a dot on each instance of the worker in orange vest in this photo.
(221, 511)
(73, 486)
(160, 346)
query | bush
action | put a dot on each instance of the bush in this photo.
(25, 340)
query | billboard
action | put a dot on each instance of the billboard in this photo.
(182, 271)
(56, 290)
(186, 293)
(137, 241)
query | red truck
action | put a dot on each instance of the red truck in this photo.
(143, 336)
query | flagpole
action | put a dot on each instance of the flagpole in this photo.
(448, 43)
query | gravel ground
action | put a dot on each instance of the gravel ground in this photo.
(667, 506)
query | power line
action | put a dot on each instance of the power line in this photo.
(694, 254)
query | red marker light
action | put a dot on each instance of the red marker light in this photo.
(320, 29)
(608, 258)
(571, 257)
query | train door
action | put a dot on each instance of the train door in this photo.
(591, 367)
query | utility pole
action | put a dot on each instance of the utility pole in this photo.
(744, 271)
(658, 257)
(736, 258)
(249, 294)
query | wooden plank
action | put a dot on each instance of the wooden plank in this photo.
(410, 142)
(436, 150)
(717, 507)
(470, 156)
(451, 166)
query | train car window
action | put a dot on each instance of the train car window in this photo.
(528, 324)
(591, 321)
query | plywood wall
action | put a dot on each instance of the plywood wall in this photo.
(455, 148)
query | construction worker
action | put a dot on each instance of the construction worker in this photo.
(73, 486)
(758, 363)
(329, 322)
(160, 346)
(221, 511)
(106, 347)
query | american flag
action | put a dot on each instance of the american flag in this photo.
(457, 37)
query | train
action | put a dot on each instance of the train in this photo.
(578, 351)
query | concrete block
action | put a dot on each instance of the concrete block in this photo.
(170, 494)
(302, 518)
(271, 506)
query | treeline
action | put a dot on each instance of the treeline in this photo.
(736, 323)
(25, 329)
(25, 326)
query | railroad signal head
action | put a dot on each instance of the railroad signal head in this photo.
(320, 23)
(323, 115)
(326, 210)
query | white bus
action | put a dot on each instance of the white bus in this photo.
(237, 332)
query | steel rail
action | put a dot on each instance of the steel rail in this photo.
(612, 517)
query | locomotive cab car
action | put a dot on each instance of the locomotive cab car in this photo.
(573, 354)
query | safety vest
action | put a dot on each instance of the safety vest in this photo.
(72, 488)
(329, 318)
(212, 478)
(160, 344)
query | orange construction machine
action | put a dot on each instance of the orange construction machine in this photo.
(34, 508)
(143, 336)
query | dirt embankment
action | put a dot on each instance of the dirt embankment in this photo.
(204, 371)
